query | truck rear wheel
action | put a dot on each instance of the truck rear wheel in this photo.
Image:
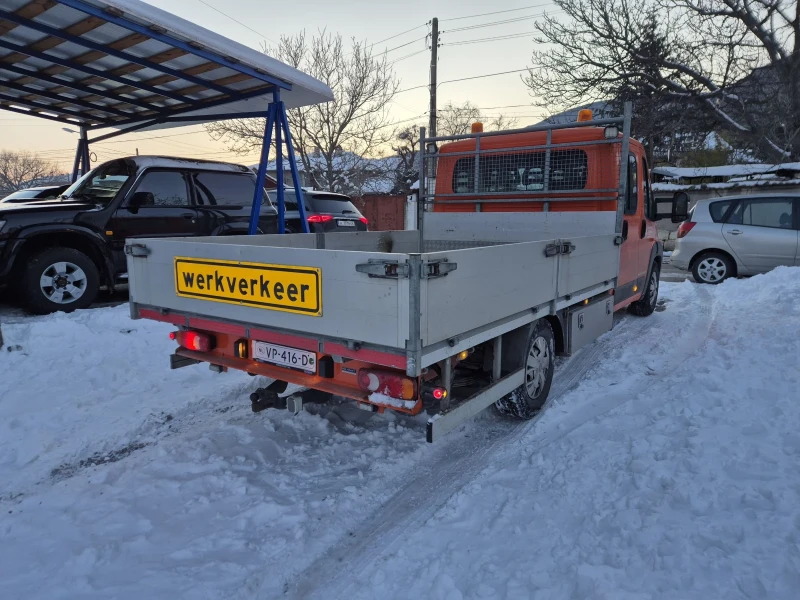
(646, 305)
(539, 363)
(59, 279)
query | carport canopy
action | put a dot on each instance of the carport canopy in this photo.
(127, 65)
(130, 66)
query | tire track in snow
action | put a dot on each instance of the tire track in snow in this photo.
(461, 460)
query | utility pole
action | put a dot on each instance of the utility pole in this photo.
(434, 57)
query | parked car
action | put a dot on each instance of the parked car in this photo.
(735, 236)
(36, 194)
(325, 211)
(57, 254)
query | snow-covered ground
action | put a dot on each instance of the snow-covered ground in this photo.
(665, 466)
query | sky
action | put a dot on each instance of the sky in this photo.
(254, 23)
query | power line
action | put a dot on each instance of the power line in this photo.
(497, 12)
(482, 76)
(464, 79)
(495, 23)
(399, 34)
(406, 44)
(496, 38)
(236, 21)
(397, 60)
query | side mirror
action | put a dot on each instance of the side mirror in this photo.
(680, 207)
(140, 199)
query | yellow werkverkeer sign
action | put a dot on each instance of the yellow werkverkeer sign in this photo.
(274, 287)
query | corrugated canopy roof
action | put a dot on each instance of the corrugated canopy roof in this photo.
(121, 63)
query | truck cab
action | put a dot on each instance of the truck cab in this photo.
(559, 170)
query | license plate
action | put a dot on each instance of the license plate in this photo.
(347, 223)
(285, 356)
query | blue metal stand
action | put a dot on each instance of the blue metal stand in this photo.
(276, 115)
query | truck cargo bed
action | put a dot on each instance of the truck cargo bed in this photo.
(386, 291)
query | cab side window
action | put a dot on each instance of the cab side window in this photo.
(632, 196)
(166, 188)
(218, 189)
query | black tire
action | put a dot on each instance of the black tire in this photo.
(646, 305)
(712, 268)
(524, 402)
(75, 279)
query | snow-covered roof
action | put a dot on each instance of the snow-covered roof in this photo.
(721, 171)
(727, 185)
(305, 89)
(170, 66)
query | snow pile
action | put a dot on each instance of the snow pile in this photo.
(80, 385)
(120, 478)
(687, 488)
(665, 466)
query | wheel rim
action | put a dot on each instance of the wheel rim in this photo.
(712, 270)
(536, 366)
(63, 282)
(653, 293)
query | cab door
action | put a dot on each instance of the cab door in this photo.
(630, 267)
(159, 205)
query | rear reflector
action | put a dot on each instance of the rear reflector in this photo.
(191, 340)
(388, 383)
(685, 228)
(320, 218)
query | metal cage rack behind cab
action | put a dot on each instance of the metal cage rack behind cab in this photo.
(548, 172)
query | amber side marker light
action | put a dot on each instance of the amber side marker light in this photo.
(584, 115)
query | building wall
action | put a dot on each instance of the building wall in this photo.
(385, 213)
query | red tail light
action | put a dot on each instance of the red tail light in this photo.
(685, 228)
(387, 383)
(320, 218)
(364, 220)
(191, 340)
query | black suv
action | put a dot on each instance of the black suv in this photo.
(325, 212)
(57, 254)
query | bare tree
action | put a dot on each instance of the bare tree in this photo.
(457, 119)
(19, 170)
(407, 151)
(453, 119)
(735, 62)
(334, 140)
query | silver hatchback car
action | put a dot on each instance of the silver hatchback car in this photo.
(742, 235)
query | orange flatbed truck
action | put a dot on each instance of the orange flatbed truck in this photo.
(527, 243)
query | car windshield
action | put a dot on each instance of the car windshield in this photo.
(99, 185)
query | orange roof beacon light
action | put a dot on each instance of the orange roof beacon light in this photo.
(585, 114)
(477, 128)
